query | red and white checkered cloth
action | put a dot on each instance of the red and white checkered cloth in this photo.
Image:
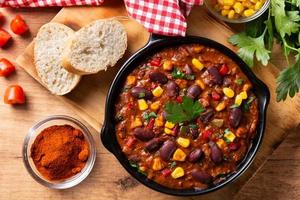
(165, 17)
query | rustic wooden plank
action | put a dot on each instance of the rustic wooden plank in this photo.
(279, 176)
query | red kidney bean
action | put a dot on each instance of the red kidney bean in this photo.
(153, 145)
(193, 91)
(217, 77)
(235, 117)
(159, 77)
(195, 155)
(207, 116)
(167, 150)
(143, 134)
(140, 92)
(187, 69)
(172, 89)
(201, 176)
(216, 153)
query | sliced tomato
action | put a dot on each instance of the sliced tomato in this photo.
(18, 25)
(14, 95)
(6, 67)
(155, 61)
(215, 96)
(207, 134)
(4, 37)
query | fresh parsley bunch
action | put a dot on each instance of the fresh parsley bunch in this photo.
(282, 23)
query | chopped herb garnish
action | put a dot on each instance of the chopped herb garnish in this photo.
(190, 77)
(193, 126)
(247, 104)
(183, 112)
(234, 106)
(142, 94)
(142, 172)
(172, 164)
(177, 73)
(239, 81)
(226, 130)
(126, 88)
(147, 116)
(226, 140)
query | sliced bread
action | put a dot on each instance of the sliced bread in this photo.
(48, 49)
(95, 47)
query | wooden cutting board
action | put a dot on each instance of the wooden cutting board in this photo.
(88, 99)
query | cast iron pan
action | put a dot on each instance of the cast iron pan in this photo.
(155, 44)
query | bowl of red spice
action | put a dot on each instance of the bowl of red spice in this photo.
(59, 152)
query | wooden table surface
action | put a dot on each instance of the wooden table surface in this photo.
(15, 182)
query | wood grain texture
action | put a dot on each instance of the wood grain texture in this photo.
(279, 176)
(108, 179)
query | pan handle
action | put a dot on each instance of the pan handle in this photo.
(106, 137)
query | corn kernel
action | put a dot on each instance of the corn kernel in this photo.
(228, 2)
(258, 5)
(157, 92)
(157, 165)
(131, 80)
(244, 95)
(142, 104)
(221, 143)
(197, 64)
(253, 1)
(155, 105)
(184, 142)
(168, 131)
(238, 7)
(221, 2)
(229, 136)
(200, 83)
(221, 106)
(231, 14)
(168, 65)
(226, 7)
(247, 4)
(179, 155)
(178, 172)
(246, 87)
(238, 100)
(224, 12)
(159, 121)
(228, 92)
(137, 122)
(248, 12)
(169, 125)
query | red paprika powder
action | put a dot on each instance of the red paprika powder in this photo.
(59, 152)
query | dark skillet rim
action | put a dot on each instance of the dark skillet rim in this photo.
(157, 43)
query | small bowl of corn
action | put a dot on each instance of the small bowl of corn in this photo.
(237, 11)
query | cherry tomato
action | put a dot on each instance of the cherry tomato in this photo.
(18, 25)
(6, 68)
(14, 95)
(4, 37)
(224, 70)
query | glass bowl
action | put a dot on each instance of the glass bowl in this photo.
(34, 132)
(218, 15)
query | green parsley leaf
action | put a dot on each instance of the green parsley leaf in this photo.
(234, 106)
(185, 111)
(249, 47)
(288, 82)
(172, 164)
(147, 116)
(142, 94)
(177, 73)
(239, 81)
